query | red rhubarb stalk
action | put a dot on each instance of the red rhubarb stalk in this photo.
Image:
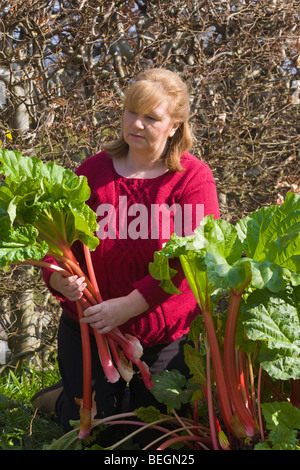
(91, 272)
(130, 345)
(295, 392)
(109, 369)
(133, 351)
(123, 365)
(204, 303)
(251, 376)
(260, 419)
(243, 382)
(146, 376)
(45, 264)
(230, 367)
(210, 401)
(86, 405)
(218, 370)
(175, 440)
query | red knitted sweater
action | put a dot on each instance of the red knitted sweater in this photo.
(128, 219)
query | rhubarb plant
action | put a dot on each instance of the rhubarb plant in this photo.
(256, 264)
(43, 211)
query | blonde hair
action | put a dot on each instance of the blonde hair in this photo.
(146, 92)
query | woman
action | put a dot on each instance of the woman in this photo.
(144, 187)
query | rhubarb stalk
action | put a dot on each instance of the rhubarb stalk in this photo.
(124, 367)
(203, 298)
(230, 369)
(210, 401)
(107, 344)
(130, 345)
(86, 406)
(295, 392)
(218, 370)
(109, 369)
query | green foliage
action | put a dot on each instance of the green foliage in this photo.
(283, 422)
(20, 243)
(273, 234)
(20, 427)
(68, 441)
(262, 252)
(273, 319)
(149, 414)
(272, 250)
(42, 207)
(169, 388)
(257, 264)
(22, 384)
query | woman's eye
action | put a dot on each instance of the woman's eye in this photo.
(152, 118)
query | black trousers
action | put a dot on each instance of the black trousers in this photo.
(109, 397)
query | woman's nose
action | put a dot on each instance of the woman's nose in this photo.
(138, 122)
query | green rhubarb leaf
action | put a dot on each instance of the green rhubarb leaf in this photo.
(18, 168)
(273, 320)
(195, 363)
(148, 414)
(281, 414)
(283, 422)
(19, 244)
(219, 237)
(196, 329)
(273, 234)
(49, 197)
(225, 276)
(169, 388)
(160, 270)
(213, 257)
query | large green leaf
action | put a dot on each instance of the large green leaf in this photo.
(169, 388)
(19, 244)
(273, 320)
(85, 225)
(216, 238)
(283, 421)
(219, 237)
(261, 274)
(19, 168)
(49, 197)
(195, 363)
(269, 237)
(273, 234)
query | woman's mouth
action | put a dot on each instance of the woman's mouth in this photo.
(137, 136)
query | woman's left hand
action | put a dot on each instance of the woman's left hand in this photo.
(112, 313)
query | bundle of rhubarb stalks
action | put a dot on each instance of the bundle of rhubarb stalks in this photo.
(43, 211)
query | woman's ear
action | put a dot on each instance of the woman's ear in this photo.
(174, 128)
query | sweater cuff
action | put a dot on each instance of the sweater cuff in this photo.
(47, 273)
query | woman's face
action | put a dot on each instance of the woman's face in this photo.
(147, 134)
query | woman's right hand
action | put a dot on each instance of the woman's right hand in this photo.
(70, 287)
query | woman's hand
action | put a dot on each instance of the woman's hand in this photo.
(70, 287)
(112, 313)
